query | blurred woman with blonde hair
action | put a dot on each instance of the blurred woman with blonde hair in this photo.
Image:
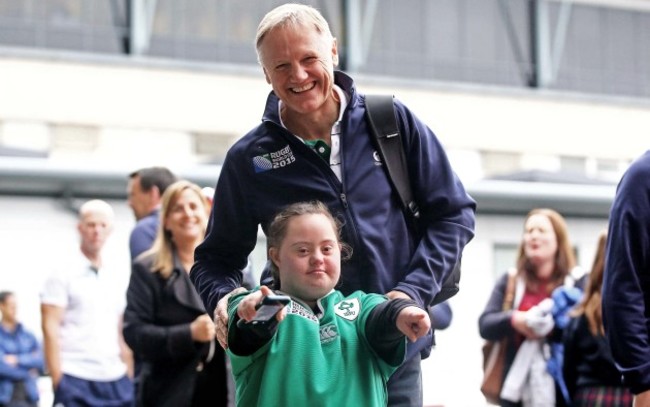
(165, 323)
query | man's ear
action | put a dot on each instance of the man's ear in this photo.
(274, 256)
(266, 76)
(155, 193)
(335, 53)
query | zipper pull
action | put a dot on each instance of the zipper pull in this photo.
(344, 200)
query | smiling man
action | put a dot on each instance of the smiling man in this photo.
(314, 143)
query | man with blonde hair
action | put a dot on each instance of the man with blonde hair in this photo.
(81, 312)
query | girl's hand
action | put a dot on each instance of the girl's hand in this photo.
(246, 309)
(413, 322)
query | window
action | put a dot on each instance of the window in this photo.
(574, 165)
(500, 162)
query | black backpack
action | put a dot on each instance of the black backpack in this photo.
(386, 136)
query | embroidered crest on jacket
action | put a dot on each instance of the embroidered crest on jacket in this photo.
(348, 309)
(274, 160)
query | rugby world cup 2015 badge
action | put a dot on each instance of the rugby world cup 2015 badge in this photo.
(274, 160)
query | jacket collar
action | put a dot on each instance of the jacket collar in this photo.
(182, 287)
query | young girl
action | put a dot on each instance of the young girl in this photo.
(328, 349)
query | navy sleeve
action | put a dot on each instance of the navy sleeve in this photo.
(626, 283)
(140, 241)
(447, 212)
(494, 322)
(231, 236)
(440, 315)
(243, 341)
(381, 329)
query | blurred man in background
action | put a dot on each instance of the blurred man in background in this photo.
(144, 190)
(81, 316)
(21, 359)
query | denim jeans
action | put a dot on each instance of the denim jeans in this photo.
(405, 385)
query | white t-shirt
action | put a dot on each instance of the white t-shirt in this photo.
(89, 333)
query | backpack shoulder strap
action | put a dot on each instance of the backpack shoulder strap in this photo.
(380, 110)
(385, 132)
(509, 297)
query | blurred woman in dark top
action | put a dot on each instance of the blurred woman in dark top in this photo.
(165, 323)
(589, 371)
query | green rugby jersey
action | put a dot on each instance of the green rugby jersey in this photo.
(315, 360)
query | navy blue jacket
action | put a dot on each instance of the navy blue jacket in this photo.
(24, 345)
(157, 319)
(144, 234)
(626, 283)
(587, 359)
(270, 168)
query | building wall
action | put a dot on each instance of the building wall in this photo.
(93, 111)
(591, 46)
(147, 113)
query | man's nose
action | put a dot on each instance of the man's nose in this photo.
(298, 71)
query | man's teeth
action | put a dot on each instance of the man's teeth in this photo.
(303, 88)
